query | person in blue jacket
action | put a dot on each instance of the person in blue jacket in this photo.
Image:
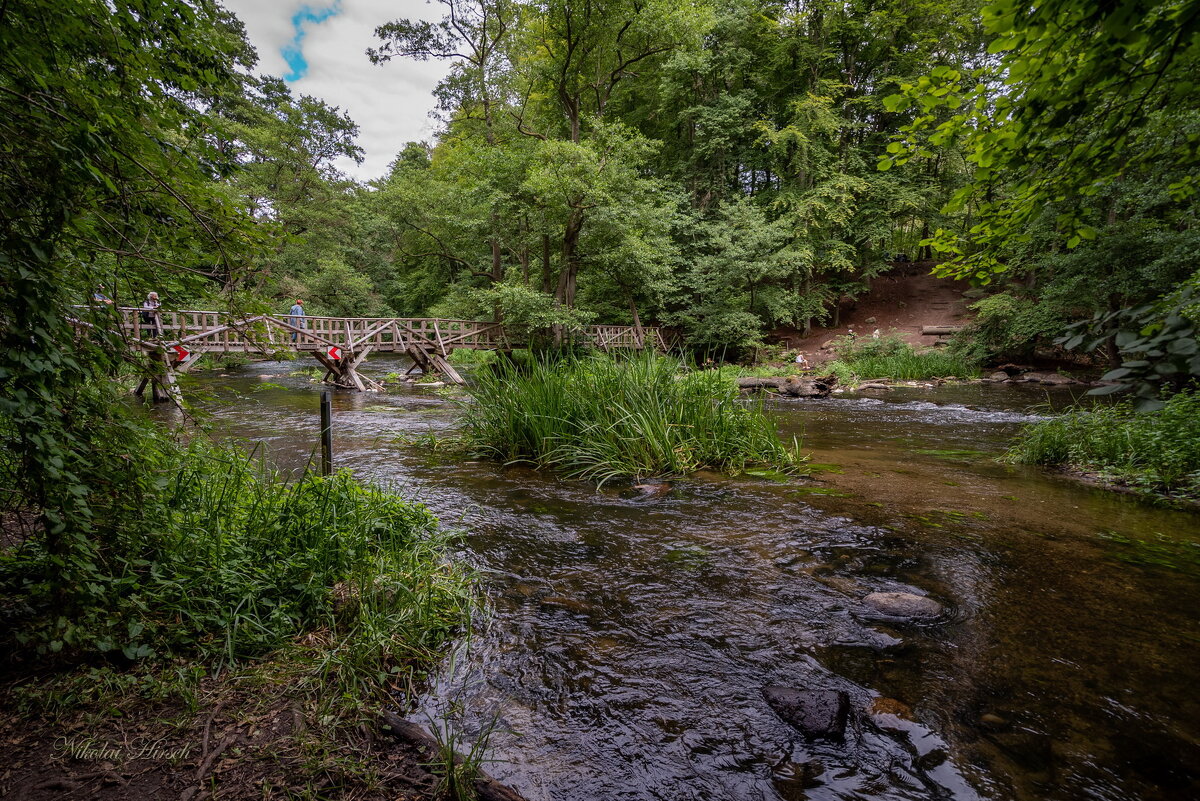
(296, 313)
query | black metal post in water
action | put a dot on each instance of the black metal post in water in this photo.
(326, 433)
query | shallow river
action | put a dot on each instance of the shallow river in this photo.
(632, 632)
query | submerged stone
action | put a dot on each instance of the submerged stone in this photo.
(903, 604)
(817, 714)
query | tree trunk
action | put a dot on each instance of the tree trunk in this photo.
(565, 293)
(1113, 352)
(638, 333)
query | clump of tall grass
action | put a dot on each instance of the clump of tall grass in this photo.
(226, 560)
(892, 357)
(598, 417)
(1157, 452)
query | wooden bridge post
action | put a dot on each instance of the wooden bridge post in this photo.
(162, 377)
(432, 362)
(344, 371)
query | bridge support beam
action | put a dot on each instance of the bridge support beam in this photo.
(432, 362)
(344, 373)
(162, 376)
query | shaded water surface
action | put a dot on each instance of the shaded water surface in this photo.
(633, 631)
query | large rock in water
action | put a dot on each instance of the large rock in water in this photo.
(805, 387)
(817, 714)
(903, 604)
(1049, 378)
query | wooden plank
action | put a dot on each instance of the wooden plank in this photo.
(441, 345)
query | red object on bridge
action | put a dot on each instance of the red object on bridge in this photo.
(334, 352)
(181, 351)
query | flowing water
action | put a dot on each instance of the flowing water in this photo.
(632, 630)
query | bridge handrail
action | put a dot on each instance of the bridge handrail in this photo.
(442, 332)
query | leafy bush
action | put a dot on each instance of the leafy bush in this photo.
(1006, 328)
(599, 417)
(1155, 451)
(1157, 346)
(529, 315)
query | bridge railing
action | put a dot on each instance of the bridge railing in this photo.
(221, 331)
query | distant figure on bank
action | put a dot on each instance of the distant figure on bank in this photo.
(801, 362)
(151, 319)
(296, 315)
(99, 297)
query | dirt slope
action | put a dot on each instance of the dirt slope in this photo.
(901, 302)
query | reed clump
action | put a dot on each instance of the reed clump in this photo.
(1154, 452)
(601, 417)
(891, 357)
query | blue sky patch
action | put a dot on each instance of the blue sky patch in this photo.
(293, 52)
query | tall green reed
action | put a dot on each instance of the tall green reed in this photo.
(600, 417)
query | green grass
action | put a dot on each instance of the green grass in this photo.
(224, 561)
(1155, 452)
(913, 365)
(598, 417)
(861, 358)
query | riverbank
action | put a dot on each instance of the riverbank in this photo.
(223, 629)
(182, 732)
(1154, 454)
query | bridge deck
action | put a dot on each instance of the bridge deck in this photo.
(220, 332)
(175, 340)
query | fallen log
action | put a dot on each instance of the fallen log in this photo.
(793, 386)
(486, 788)
(939, 330)
(760, 383)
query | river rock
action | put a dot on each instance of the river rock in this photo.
(652, 489)
(999, 375)
(817, 714)
(889, 706)
(804, 387)
(1049, 378)
(873, 385)
(903, 604)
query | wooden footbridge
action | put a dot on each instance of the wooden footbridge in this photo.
(175, 341)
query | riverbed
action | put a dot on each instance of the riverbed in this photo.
(631, 630)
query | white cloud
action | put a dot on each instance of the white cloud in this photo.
(390, 103)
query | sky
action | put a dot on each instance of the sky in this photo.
(319, 48)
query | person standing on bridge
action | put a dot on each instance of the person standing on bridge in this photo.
(296, 313)
(151, 317)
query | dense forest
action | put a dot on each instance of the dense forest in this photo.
(726, 168)
(723, 168)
